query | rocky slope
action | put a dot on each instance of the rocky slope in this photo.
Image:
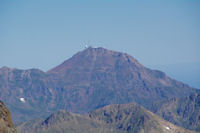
(24, 92)
(6, 124)
(91, 79)
(184, 112)
(127, 118)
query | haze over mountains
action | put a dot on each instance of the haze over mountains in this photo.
(91, 79)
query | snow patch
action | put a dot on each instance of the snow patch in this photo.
(50, 90)
(167, 128)
(22, 100)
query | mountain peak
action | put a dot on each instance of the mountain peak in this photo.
(90, 51)
(102, 50)
(59, 116)
(5, 68)
(96, 50)
(93, 56)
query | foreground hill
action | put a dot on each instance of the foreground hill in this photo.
(126, 118)
(91, 79)
(6, 124)
(184, 112)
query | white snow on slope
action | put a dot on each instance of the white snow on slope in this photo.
(22, 100)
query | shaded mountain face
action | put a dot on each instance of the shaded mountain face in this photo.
(127, 118)
(6, 124)
(91, 79)
(184, 112)
(24, 92)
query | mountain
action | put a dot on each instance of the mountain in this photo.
(184, 112)
(24, 92)
(91, 79)
(126, 118)
(115, 77)
(62, 122)
(6, 124)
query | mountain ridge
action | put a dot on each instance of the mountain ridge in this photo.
(184, 112)
(126, 118)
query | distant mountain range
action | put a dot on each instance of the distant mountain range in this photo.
(6, 124)
(124, 118)
(89, 80)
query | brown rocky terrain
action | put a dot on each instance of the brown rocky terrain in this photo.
(124, 118)
(184, 112)
(6, 124)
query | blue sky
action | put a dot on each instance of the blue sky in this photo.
(160, 34)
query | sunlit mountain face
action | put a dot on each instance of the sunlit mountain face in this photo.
(123, 118)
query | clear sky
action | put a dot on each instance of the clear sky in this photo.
(161, 34)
